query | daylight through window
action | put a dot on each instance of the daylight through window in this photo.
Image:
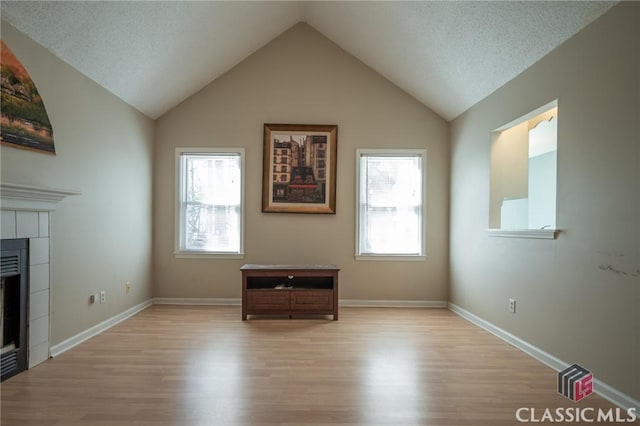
(210, 212)
(390, 203)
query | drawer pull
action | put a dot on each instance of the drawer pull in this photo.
(290, 277)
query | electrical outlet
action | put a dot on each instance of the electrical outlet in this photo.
(127, 287)
(103, 296)
(512, 306)
(92, 299)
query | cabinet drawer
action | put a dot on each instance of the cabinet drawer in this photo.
(267, 300)
(312, 300)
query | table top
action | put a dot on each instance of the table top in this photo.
(260, 267)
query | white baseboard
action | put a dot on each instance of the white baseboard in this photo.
(615, 396)
(604, 390)
(97, 329)
(350, 303)
(343, 302)
(204, 301)
(542, 356)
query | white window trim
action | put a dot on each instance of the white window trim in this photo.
(539, 234)
(391, 257)
(188, 254)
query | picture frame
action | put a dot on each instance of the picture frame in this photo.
(299, 168)
(24, 122)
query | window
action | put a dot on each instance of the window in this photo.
(390, 204)
(523, 175)
(210, 214)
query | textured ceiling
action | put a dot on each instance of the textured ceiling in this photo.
(155, 54)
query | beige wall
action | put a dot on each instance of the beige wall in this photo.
(578, 297)
(102, 238)
(301, 77)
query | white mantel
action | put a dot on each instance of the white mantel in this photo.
(31, 198)
(25, 213)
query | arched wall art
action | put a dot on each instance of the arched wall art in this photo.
(24, 122)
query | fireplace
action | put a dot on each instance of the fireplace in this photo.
(25, 214)
(13, 305)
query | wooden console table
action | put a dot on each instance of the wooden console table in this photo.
(289, 290)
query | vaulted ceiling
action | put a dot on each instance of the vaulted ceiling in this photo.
(154, 54)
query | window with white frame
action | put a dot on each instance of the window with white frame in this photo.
(210, 211)
(390, 203)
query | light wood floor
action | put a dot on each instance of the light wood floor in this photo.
(189, 365)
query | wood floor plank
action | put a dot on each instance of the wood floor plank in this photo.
(202, 365)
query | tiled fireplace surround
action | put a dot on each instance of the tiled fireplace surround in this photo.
(26, 213)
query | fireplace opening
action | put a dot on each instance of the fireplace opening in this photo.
(13, 305)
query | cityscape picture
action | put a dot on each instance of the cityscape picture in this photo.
(299, 168)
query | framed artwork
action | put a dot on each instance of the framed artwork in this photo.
(24, 122)
(299, 168)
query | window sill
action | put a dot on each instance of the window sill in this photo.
(390, 258)
(540, 234)
(207, 255)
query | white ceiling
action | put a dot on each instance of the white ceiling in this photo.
(155, 54)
